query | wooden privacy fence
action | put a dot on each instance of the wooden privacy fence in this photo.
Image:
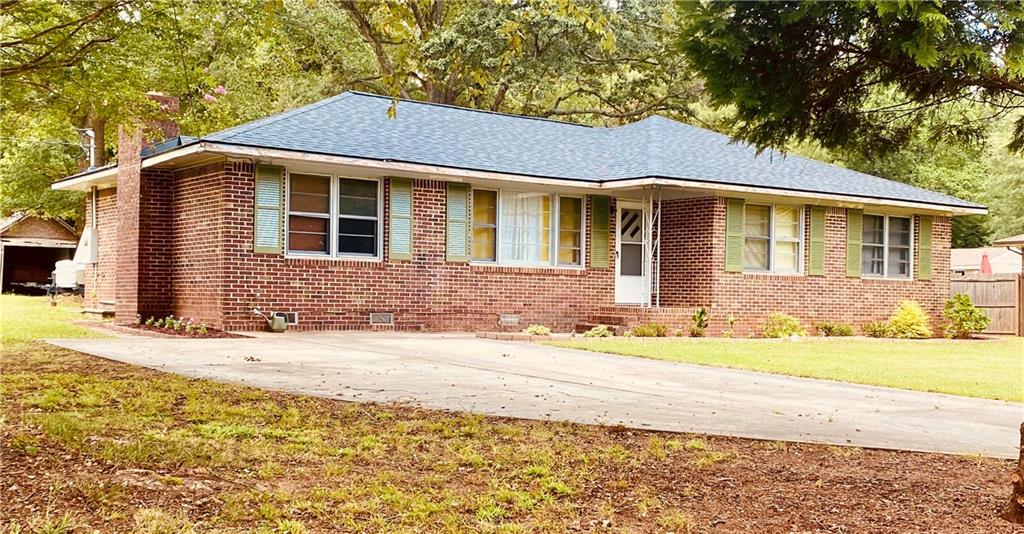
(1000, 296)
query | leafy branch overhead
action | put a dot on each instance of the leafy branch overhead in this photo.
(548, 58)
(865, 73)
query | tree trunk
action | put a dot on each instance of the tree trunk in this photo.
(99, 129)
(1014, 512)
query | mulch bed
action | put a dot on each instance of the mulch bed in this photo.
(145, 330)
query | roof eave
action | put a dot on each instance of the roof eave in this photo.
(107, 176)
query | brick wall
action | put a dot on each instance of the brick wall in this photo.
(129, 189)
(192, 241)
(197, 221)
(750, 298)
(100, 277)
(425, 292)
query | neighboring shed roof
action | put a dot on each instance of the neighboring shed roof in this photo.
(1002, 260)
(1012, 241)
(356, 125)
(34, 227)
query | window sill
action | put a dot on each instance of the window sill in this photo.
(538, 269)
(325, 258)
(886, 279)
(771, 274)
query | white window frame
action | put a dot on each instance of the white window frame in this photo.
(554, 230)
(800, 214)
(497, 224)
(885, 248)
(333, 216)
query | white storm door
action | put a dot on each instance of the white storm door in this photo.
(629, 254)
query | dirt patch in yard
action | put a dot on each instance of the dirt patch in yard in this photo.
(105, 446)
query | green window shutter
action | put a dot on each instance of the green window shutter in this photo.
(734, 235)
(268, 209)
(854, 236)
(457, 218)
(400, 219)
(600, 211)
(817, 249)
(924, 248)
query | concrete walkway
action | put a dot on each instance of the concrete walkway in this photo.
(459, 372)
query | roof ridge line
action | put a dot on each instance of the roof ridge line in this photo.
(267, 121)
(475, 110)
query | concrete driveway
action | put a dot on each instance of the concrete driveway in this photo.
(460, 372)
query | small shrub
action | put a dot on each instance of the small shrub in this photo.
(876, 329)
(598, 331)
(649, 330)
(782, 325)
(830, 329)
(700, 322)
(149, 322)
(159, 323)
(537, 330)
(138, 319)
(732, 323)
(965, 319)
(202, 329)
(909, 321)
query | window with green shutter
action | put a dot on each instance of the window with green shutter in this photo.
(817, 249)
(267, 211)
(457, 223)
(924, 253)
(600, 212)
(400, 219)
(734, 235)
(854, 237)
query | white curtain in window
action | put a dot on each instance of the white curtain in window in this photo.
(525, 227)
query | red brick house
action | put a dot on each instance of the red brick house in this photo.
(455, 219)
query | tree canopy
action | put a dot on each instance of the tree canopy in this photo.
(869, 73)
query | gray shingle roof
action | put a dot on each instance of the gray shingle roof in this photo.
(356, 125)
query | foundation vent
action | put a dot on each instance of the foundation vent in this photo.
(508, 319)
(382, 318)
(291, 318)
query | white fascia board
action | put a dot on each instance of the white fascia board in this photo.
(281, 156)
(822, 198)
(104, 176)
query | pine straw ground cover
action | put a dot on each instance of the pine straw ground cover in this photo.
(92, 445)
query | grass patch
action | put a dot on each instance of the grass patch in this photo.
(991, 369)
(97, 446)
(25, 319)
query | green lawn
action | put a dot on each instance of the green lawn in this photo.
(988, 369)
(24, 319)
(92, 445)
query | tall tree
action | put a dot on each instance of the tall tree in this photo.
(868, 73)
(549, 58)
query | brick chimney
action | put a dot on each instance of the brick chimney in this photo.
(143, 213)
(165, 127)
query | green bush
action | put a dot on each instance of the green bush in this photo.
(909, 321)
(700, 322)
(649, 330)
(537, 330)
(830, 329)
(599, 331)
(965, 319)
(876, 329)
(782, 325)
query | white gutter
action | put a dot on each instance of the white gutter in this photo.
(275, 155)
